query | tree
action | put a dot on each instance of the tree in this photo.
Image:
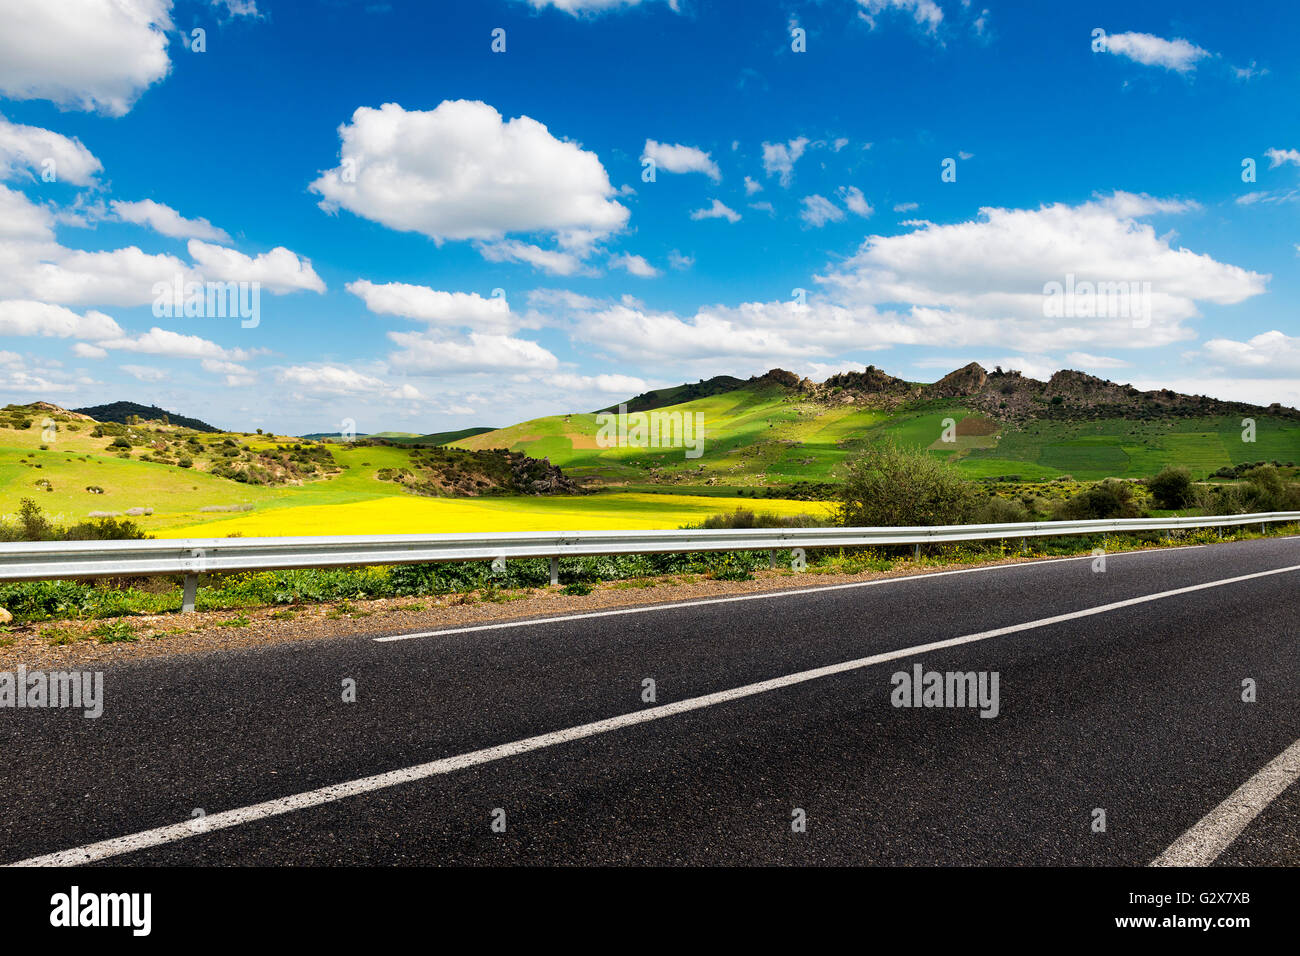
(889, 485)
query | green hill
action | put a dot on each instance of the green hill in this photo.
(776, 430)
(120, 412)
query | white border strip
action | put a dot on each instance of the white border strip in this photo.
(1206, 841)
(145, 839)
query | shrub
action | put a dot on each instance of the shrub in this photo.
(888, 485)
(1111, 498)
(997, 510)
(747, 518)
(1172, 488)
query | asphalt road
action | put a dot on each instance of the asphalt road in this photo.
(1135, 710)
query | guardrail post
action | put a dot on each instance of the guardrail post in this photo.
(916, 555)
(555, 571)
(771, 558)
(191, 592)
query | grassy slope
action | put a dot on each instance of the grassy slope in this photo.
(755, 437)
(352, 502)
(764, 436)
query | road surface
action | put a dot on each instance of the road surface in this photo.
(1119, 691)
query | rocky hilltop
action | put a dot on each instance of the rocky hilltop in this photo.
(1010, 396)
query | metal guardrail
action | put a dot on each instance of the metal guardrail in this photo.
(49, 560)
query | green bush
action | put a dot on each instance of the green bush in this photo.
(888, 485)
(1111, 498)
(1172, 488)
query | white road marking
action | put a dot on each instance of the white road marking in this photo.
(341, 791)
(766, 595)
(1203, 843)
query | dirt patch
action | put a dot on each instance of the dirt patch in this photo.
(977, 425)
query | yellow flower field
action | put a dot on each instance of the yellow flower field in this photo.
(411, 515)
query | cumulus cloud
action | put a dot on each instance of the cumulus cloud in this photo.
(990, 273)
(1267, 355)
(144, 373)
(634, 265)
(166, 221)
(460, 171)
(34, 266)
(435, 306)
(83, 54)
(818, 210)
(926, 13)
(1276, 157)
(479, 352)
(716, 211)
(627, 385)
(581, 7)
(855, 201)
(39, 151)
(779, 158)
(975, 284)
(553, 261)
(325, 379)
(681, 159)
(171, 344)
(23, 317)
(1178, 55)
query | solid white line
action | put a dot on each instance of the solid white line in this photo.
(312, 798)
(767, 595)
(1203, 843)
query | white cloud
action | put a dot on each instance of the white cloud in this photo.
(279, 271)
(752, 186)
(24, 317)
(1276, 157)
(581, 7)
(460, 172)
(551, 261)
(239, 8)
(236, 376)
(680, 261)
(435, 306)
(681, 159)
(926, 13)
(818, 210)
(779, 158)
(171, 344)
(1269, 354)
(1096, 361)
(166, 221)
(34, 266)
(627, 385)
(906, 206)
(967, 285)
(144, 373)
(852, 197)
(716, 211)
(87, 351)
(480, 352)
(83, 54)
(984, 279)
(635, 265)
(1178, 55)
(40, 150)
(331, 379)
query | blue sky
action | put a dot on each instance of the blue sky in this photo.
(379, 172)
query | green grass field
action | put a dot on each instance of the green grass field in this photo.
(754, 438)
